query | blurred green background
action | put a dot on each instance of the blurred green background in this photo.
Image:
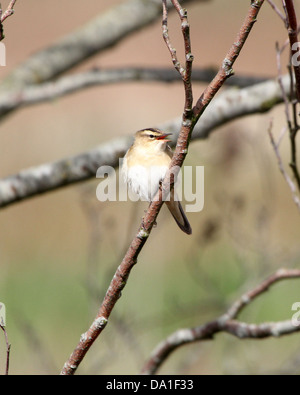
(59, 251)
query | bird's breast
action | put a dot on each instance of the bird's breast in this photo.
(144, 180)
(144, 170)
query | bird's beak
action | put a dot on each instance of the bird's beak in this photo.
(163, 137)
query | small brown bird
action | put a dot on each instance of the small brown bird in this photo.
(145, 166)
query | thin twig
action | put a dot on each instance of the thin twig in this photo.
(166, 37)
(8, 346)
(279, 73)
(282, 169)
(226, 69)
(186, 76)
(278, 12)
(292, 121)
(9, 11)
(294, 43)
(3, 15)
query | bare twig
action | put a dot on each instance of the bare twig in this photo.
(3, 15)
(278, 12)
(293, 37)
(226, 323)
(8, 346)
(9, 11)
(283, 91)
(186, 70)
(282, 169)
(292, 121)
(123, 271)
(294, 45)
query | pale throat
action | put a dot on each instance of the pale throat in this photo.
(154, 148)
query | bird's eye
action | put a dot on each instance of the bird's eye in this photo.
(151, 136)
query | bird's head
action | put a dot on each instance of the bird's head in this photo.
(151, 139)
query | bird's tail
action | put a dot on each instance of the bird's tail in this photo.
(179, 215)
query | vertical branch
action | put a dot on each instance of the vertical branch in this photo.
(2, 326)
(186, 71)
(279, 77)
(294, 70)
(293, 130)
(294, 47)
(191, 117)
(288, 180)
(186, 76)
(293, 37)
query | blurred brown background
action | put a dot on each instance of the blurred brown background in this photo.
(57, 248)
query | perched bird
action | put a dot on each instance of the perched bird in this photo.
(145, 166)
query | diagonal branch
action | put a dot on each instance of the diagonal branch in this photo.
(184, 71)
(295, 98)
(227, 323)
(130, 259)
